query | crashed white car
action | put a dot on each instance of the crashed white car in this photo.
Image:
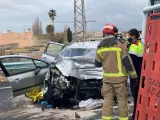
(74, 75)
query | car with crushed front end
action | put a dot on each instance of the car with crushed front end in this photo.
(73, 73)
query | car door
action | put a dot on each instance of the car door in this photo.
(23, 73)
(51, 51)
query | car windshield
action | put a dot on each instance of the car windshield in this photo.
(73, 52)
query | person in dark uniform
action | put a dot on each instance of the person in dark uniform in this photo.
(136, 54)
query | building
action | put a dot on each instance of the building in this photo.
(25, 39)
(22, 39)
(95, 34)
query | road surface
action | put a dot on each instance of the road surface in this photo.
(21, 108)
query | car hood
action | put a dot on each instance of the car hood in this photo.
(79, 67)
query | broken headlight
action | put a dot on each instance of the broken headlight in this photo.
(59, 80)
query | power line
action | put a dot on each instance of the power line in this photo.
(72, 21)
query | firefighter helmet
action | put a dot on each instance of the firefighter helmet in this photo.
(110, 29)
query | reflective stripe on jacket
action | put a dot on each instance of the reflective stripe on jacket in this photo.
(113, 68)
(106, 118)
(110, 118)
(112, 56)
(118, 51)
(136, 49)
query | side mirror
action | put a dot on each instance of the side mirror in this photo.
(38, 69)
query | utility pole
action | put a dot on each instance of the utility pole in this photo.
(79, 20)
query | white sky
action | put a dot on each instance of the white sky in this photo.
(18, 15)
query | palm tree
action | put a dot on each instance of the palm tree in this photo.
(52, 14)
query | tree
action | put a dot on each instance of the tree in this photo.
(41, 26)
(37, 27)
(69, 35)
(50, 29)
(52, 14)
(60, 40)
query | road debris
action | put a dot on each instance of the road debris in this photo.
(91, 103)
(77, 115)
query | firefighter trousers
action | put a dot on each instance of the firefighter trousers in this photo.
(134, 89)
(119, 90)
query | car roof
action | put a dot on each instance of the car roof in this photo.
(86, 44)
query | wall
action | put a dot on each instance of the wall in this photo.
(94, 34)
(26, 39)
(23, 39)
(9, 46)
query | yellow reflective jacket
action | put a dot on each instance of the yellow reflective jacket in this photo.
(136, 49)
(113, 55)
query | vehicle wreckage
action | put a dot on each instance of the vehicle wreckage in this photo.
(73, 74)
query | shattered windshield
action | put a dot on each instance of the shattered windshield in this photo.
(73, 52)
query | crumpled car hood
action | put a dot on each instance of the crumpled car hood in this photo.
(79, 67)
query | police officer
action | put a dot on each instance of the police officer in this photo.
(113, 56)
(136, 53)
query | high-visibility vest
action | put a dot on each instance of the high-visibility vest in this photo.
(119, 61)
(136, 49)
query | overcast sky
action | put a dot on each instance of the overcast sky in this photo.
(18, 15)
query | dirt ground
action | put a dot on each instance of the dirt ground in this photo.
(21, 108)
(24, 109)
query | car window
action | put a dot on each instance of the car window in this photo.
(72, 52)
(40, 64)
(17, 65)
(90, 52)
(53, 49)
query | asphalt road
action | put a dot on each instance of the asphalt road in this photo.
(6, 98)
(21, 108)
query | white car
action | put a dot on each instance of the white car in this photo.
(51, 51)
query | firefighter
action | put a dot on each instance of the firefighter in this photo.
(136, 53)
(113, 57)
